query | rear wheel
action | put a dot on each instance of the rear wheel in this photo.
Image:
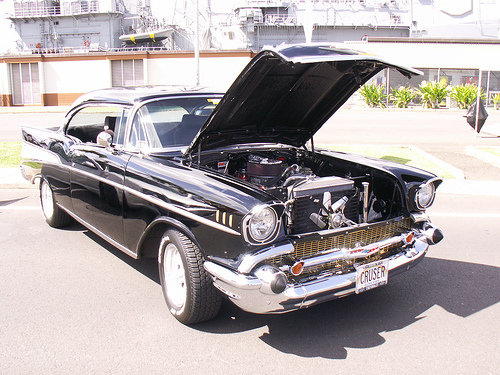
(187, 287)
(54, 216)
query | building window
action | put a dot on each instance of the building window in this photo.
(127, 73)
(25, 83)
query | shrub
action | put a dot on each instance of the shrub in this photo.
(402, 96)
(496, 100)
(433, 93)
(373, 95)
(465, 95)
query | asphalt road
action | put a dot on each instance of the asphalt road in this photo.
(73, 304)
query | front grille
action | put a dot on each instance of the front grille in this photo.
(349, 239)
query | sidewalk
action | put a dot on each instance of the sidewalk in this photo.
(11, 178)
(35, 109)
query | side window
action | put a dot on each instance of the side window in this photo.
(137, 135)
(143, 134)
(87, 123)
(160, 121)
(119, 136)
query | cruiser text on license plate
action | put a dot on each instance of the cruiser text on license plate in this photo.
(372, 275)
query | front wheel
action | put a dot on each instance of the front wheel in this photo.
(54, 215)
(188, 289)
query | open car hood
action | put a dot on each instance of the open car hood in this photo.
(286, 95)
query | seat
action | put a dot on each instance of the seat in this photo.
(188, 128)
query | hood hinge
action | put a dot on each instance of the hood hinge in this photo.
(199, 153)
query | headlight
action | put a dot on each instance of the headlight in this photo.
(261, 224)
(425, 195)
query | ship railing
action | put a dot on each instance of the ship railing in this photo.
(85, 50)
(38, 8)
(279, 19)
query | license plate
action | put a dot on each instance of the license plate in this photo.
(372, 275)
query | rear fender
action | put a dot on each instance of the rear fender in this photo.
(41, 147)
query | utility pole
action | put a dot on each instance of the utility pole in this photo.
(197, 45)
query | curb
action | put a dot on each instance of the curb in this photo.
(11, 178)
(485, 156)
(457, 173)
(446, 167)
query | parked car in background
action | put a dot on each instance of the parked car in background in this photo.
(229, 193)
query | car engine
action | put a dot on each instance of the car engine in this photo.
(312, 202)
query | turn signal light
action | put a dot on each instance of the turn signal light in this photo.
(409, 237)
(297, 268)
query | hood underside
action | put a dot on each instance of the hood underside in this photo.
(286, 95)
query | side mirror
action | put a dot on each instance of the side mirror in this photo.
(104, 139)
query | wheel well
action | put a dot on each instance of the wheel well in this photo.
(150, 241)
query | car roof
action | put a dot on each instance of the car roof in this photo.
(132, 95)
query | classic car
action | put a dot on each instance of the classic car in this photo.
(228, 192)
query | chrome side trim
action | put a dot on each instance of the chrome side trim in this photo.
(251, 260)
(181, 211)
(118, 245)
(159, 202)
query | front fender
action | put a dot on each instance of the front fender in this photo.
(149, 242)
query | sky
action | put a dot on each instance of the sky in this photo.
(7, 31)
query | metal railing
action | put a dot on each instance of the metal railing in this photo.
(279, 19)
(40, 9)
(91, 49)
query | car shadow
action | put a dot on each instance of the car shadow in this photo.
(357, 321)
(327, 330)
(147, 266)
(11, 201)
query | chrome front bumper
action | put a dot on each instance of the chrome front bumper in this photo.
(252, 293)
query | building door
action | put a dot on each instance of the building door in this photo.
(127, 73)
(25, 83)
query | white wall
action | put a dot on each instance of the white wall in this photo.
(4, 79)
(76, 76)
(215, 72)
(435, 55)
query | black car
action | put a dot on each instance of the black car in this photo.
(229, 193)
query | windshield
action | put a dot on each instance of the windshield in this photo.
(168, 123)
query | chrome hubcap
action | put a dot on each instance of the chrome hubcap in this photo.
(174, 276)
(47, 200)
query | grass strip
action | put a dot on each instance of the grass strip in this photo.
(10, 154)
(495, 151)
